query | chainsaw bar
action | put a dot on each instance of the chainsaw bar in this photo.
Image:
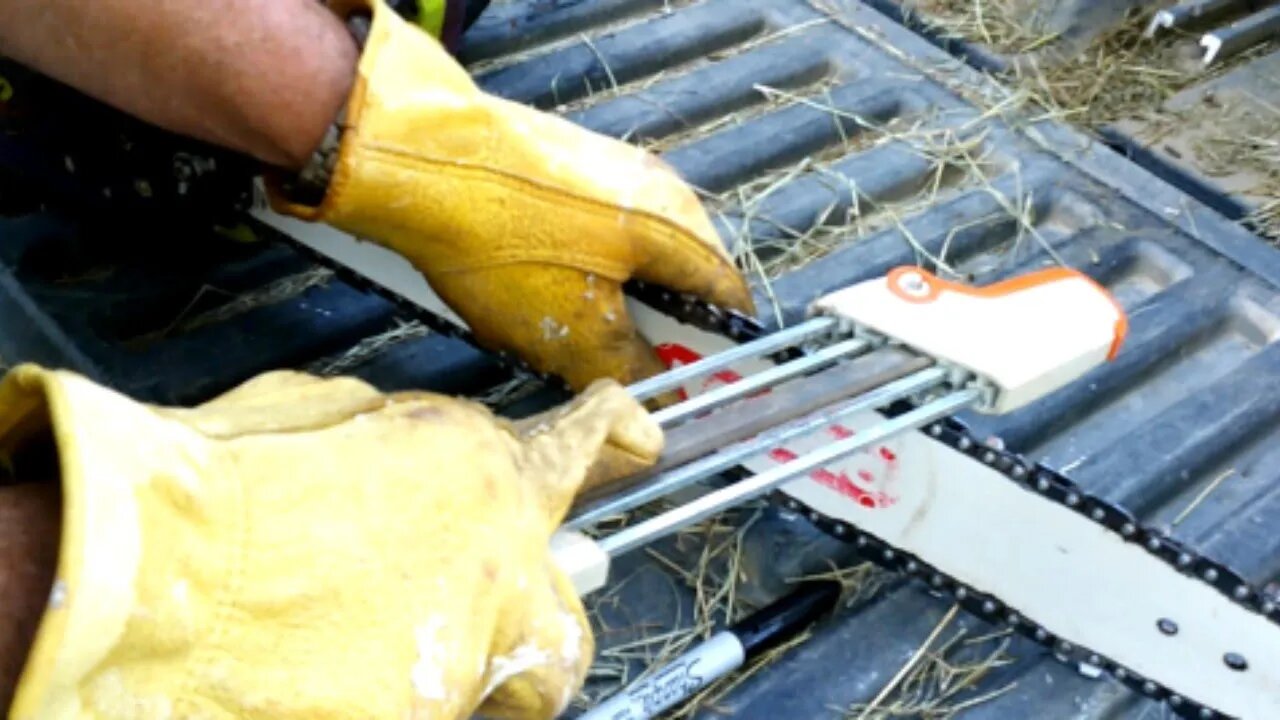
(1066, 495)
(1036, 478)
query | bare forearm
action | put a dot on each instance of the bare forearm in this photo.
(29, 526)
(262, 76)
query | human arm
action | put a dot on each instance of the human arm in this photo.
(29, 522)
(265, 77)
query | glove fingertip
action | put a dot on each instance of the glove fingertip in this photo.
(634, 429)
(733, 293)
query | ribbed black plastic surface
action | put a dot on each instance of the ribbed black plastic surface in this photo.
(1193, 398)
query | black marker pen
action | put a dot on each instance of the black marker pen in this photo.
(721, 654)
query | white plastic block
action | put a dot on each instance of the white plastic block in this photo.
(582, 559)
(1026, 336)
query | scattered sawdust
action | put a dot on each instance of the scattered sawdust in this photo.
(368, 348)
(938, 682)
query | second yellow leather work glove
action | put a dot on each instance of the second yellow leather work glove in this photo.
(308, 549)
(524, 223)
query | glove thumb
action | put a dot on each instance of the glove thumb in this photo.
(603, 434)
(540, 656)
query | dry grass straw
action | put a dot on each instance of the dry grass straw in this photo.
(859, 582)
(1247, 140)
(593, 95)
(1202, 495)
(1123, 76)
(511, 391)
(1236, 138)
(270, 294)
(536, 49)
(1232, 136)
(705, 560)
(237, 304)
(939, 679)
(994, 23)
(958, 157)
(770, 101)
(1120, 74)
(1265, 219)
(369, 348)
(937, 682)
(615, 89)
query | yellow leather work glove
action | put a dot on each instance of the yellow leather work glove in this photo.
(307, 549)
(524, 223)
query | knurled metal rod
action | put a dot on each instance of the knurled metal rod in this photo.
(740, 492)
(1241, 35)
(676, 377)
(1188, 12)
(774, 375)
(673, 480)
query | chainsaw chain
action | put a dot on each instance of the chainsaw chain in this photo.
(1033, 477)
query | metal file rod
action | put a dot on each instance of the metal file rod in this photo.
(1241, 35)
(1185, 13)
(773, 342)
(774, 375)
(710, 504)
(668, 482)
